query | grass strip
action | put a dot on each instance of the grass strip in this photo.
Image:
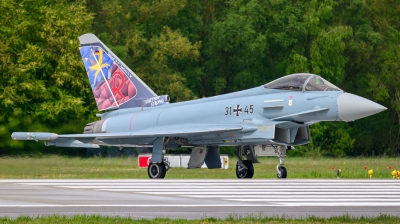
(58, 167)
(232, 219)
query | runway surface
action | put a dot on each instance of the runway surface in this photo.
(194, 199)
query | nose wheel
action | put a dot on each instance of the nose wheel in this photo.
(282, 173)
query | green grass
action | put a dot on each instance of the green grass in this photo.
(76, 168)
(232, 219)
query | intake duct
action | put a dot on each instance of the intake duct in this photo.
(293, 136)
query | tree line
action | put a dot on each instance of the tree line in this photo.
(194, 48)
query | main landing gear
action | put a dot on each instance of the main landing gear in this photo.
(158, 165)
(158, 170)
(244, 168)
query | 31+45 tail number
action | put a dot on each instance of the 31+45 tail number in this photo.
(237, 110)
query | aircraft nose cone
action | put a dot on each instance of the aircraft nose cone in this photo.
(352, 107)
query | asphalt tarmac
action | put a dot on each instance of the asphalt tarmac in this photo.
(194, 199)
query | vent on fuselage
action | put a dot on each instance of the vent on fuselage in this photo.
(292, 136)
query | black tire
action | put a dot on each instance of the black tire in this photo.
(245, 173)
(156, 170)
(282, 173)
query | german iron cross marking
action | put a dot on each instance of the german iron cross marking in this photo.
(237, 110)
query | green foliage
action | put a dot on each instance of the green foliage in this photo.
(194, 48)
(39, 86)
(147, 44)
(327, 139)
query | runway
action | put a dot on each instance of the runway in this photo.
(194, 199)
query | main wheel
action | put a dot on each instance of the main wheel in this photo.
(245, 173)
(156, 170)
(282, 172)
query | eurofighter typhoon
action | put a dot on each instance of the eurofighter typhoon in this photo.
(276, 115)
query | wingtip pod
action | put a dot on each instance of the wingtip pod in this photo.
(36, 136)
(113, 84)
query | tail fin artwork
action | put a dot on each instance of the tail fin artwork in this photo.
(113, 84)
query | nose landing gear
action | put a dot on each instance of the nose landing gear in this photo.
(281, 171)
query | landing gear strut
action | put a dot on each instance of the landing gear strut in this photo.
(281, 171)
(158, 165)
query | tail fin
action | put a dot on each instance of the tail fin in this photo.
(114, 85)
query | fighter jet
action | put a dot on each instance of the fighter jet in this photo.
(277, 114)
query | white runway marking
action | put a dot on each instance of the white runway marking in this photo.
(188, 197)
(262, 192)
(39, 206)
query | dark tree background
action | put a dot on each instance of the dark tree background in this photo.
(194, 48)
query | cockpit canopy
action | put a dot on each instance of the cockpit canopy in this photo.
(300, 82)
